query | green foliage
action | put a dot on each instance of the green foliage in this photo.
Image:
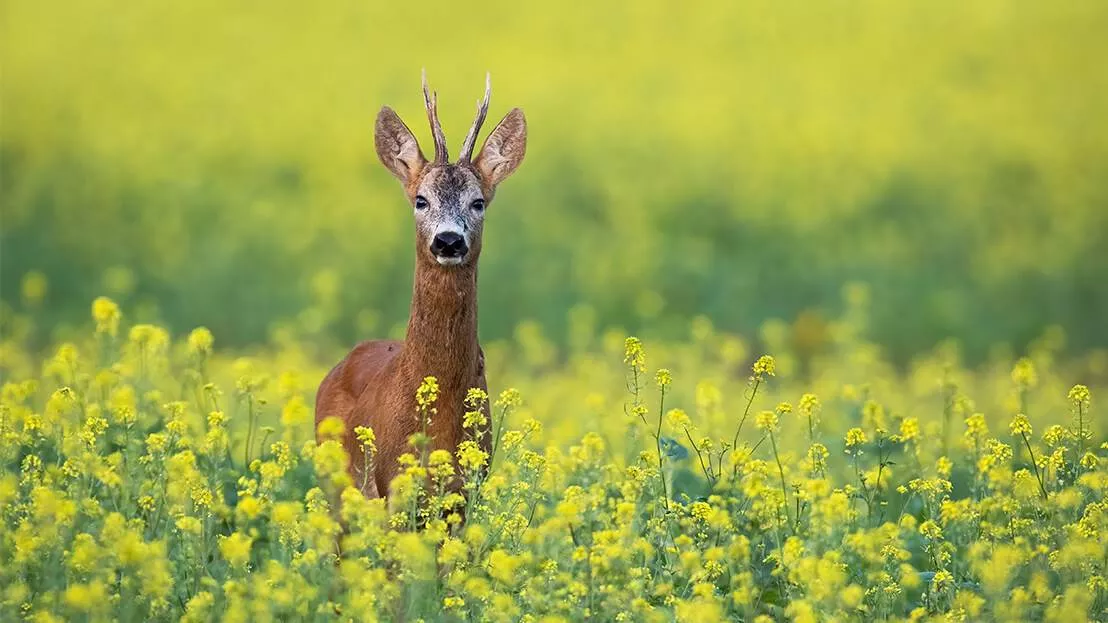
(212, 163)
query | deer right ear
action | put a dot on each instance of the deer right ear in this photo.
(504, 148)
(397, 147)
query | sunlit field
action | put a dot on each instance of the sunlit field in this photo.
(793, 312)
(212, 164)
(148, 477)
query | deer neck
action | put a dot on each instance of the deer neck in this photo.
(442, 330)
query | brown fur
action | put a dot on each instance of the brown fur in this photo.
(375, 385)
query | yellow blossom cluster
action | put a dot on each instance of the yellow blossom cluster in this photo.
(134, 488)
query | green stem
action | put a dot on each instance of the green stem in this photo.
(499, 434)
(1080, 433)
(700, 457)
(746, 412)
(658, 446)
(249, 429)
(781, 472)
(365, 469)
(1035, 465)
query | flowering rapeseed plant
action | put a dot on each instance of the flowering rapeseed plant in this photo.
(131, 490)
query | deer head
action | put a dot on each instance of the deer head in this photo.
(450, 198)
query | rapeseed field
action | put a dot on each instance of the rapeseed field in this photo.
(212, 164)
(147, 476)
(862, 247)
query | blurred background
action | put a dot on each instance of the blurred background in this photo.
(211, 163)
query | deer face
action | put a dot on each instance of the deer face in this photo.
(450, 214)
(450, 199)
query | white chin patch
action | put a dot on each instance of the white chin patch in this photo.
(448, 261)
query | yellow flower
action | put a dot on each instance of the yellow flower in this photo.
(817, 455)
(633, 354)
(800, 611)
(873, 414)
(851, 597)
(1090, 461)
(199, 607)
(766, 420)
(452, 551)
(942, 581)
(855, 437)
(699, 610)
(509, 398)
(663, 378)
(1024, 375)
(478, 588)
(248, 507)
(202, 496)
(148, 336)
(315, 500)
(931, 530)
(428, 392)
(678, 419)
(809, 404)
(106, 315)
(331, 427)
(475, 397)
(60, 404)
(976, 428)
(91, 598)
(943, 467)
(285, 513)
(414, 554)
(189, 525)
(1020, 426)
(200, 341)
(1079, 395)
(366, 438)
(475, 420)
(471, 456)
(765, 366)
(504, 567)
(1054, 435)
(909, 429)
(235, 549)
(84, 554)
(296, 413)
(996, 571)
(155, 574)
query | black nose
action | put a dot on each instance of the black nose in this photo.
(449, 244)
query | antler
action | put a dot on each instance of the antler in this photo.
(430, 101)
(482, 110)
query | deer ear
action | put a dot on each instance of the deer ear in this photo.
(396, 146)
(504, 148)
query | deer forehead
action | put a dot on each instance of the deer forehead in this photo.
(450, 186)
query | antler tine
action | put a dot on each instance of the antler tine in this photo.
(475, 129)
(430, 101)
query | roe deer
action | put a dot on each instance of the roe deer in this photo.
(375, 385)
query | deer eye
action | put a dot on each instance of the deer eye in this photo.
(421, 202)
(477, 205)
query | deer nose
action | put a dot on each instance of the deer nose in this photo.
(449, 244)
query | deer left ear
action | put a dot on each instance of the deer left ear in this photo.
(397, 147)
(504, 148)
